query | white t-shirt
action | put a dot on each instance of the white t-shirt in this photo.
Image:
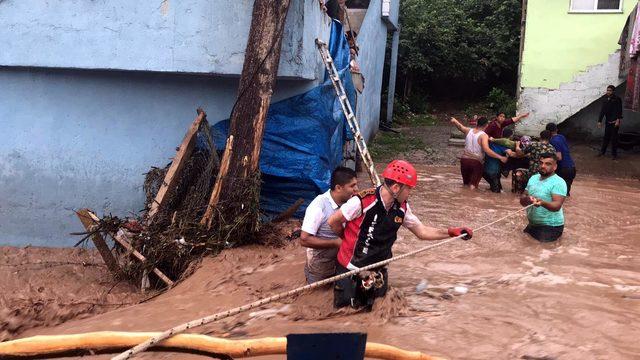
(320, 262)
(353, 208)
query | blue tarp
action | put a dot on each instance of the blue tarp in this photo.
(303, 139)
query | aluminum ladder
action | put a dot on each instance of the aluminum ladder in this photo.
(348, 111)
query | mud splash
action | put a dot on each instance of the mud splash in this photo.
(578, 298)
(46, 287)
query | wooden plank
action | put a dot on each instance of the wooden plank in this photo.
(121, 238)
(285, 215)
(173, 174)
(89, 221)
(215, 193)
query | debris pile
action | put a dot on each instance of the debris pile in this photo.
(180, 222)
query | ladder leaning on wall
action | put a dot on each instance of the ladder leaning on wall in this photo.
(348, 111)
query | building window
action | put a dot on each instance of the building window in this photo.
(596, 6)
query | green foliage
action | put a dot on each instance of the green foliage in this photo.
(400, 108)
(468, 40)
(388, 144)
(501, 101)
(418, 103)
(411, 119)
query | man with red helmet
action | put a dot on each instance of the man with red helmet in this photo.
(371, 222)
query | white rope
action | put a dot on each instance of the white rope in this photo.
(221, 315)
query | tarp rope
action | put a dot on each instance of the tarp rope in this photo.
(225, 314)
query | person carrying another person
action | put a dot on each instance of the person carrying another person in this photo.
(510, 142)
(566, 166)
(371, 222)
(493, 166)
(476, 145)
(505, 140)
(316, 235)
(611, 111)
(496, 126)
(532, 150)
(546, 191)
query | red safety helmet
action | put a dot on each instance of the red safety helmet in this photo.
(401, 172)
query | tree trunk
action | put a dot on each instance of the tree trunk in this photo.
(236, 207)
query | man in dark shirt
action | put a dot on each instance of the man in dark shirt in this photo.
(495, 127)
(566, 167)
(611, 111)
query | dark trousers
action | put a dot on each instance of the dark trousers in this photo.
(544, 233)
(567, 174)
(610, 135)
(471, 171)
(349, 291)
(493, 180)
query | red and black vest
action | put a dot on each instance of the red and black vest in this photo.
(368, 238)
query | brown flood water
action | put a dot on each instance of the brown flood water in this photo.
(578, 298)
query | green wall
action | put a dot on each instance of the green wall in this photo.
(558, 44)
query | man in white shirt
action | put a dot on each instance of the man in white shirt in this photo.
(321, 242)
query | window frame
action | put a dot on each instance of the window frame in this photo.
(595, 9)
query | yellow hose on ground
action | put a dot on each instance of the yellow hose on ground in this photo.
(113, 340)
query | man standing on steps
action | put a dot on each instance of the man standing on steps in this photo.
(495, 127)
(566, 166)
(546, 191)
(371, 222)
(321, 242)
(611, 112)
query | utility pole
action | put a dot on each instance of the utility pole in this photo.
(235, 207)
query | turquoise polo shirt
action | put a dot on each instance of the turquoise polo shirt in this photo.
(543, 189)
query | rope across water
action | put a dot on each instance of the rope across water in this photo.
(221, 315)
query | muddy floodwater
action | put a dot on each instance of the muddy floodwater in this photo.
(578, 298)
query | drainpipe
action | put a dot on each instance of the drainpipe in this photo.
(392, 74)
(523, 23)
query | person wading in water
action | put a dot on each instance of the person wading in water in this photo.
(476, 145)
(371, 221)
(546, 191)
(321, 242)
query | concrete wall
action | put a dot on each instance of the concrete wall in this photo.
(567, 62)
(582, 125)
(559, 45)
(192, 36)
(74, 138)
(556, 105)
(84, 138)
(372, 41)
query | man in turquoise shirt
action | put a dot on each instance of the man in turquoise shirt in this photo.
(546, 191)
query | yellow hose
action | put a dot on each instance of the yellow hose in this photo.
(111, 341)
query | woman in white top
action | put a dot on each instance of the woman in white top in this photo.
(476, 145)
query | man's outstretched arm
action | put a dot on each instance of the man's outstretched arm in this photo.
(424, 232)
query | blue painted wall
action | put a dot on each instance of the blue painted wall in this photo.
(372, 41)
(75, 138)
(193, 36)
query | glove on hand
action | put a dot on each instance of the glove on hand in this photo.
(457, 231)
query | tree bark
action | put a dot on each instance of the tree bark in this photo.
(237, 200)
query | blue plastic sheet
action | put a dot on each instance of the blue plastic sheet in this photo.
(304, 138)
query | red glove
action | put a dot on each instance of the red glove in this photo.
(457, 231)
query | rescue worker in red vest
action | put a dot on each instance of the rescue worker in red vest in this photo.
(368, 225)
